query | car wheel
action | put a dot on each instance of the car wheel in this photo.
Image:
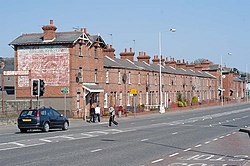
(46, 127)
(23, 130)
(65, 126)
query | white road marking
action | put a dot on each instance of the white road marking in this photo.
(198, 145)
(221, 137)
(228, 135)
(16, 143)
(215, 139)
(175, 133)
(172, 155)
(156, 161)
(45, 140)
(96, 150)
(89, 135)
(186, 149)
(68, 137)
(207, 142)
(144, 140)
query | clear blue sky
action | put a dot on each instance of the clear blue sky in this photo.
(205, 28)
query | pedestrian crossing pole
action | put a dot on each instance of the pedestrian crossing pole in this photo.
(65, 91)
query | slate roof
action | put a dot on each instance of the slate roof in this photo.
(37, 38)
(126, 64)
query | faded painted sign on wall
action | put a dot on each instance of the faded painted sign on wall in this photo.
(50, 63)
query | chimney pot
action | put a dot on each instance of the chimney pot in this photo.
(51, 22)
(125, 49)
(130, 49)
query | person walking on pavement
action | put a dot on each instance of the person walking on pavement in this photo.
(92, 114)
(98, 112)
(112, 116)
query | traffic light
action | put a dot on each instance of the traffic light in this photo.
(35, 87)
(42, 87)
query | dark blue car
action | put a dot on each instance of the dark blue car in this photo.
(43, 119)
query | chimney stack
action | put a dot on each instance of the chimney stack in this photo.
(109, 51)
(156, 60)
(143, 57)
(49, 31)
(127, 55)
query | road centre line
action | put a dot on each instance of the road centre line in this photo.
(198, 145)
(172, 155)
(175, 133)
(228, 135)
(188, 149)
(215, 139)
(221, 136)
(156, 161)
(207, 142)
(96, 150)
(144, 139)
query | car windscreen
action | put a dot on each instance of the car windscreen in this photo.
(28, 113)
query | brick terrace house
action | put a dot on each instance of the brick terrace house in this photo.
(88, 66)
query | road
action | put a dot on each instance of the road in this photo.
(204, 137)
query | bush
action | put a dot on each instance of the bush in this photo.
(180, 104)
(106, 113)
(184, 104)
(194, 100)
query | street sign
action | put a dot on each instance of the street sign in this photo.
(65, 90)
(133, 91)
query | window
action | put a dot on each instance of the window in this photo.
(95, 76)
(105, 103)
(119, 77)
(147, 78)
(95, 53)
(80, 50)
(120, 99)
(140, 97)
(128, 98)
(107, 77)
(129, 78)
(139, 78)
(155, 79)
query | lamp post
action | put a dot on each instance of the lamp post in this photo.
(221, 79)
(246, 83)
(162, 109)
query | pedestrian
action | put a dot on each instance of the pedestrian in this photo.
(97, 112)
(92, 114)
(112, 116)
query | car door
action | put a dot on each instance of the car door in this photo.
(59, 120)
(51, 118)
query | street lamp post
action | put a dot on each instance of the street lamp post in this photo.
(162, 109)
(221, 79)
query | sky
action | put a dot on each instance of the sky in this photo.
(205, 29)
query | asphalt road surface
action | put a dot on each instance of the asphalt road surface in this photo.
(204, 137)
